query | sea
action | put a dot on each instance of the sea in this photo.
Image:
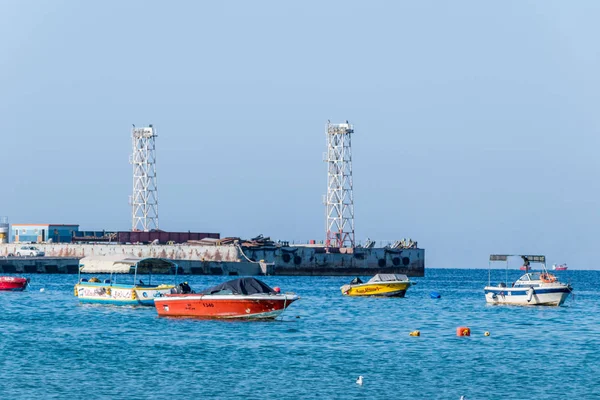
(51, 347)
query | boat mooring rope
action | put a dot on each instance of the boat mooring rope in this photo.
(284, 305)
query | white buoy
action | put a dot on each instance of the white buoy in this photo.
(359, 381)
(42, 290)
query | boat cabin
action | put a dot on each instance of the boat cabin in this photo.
(528, 280)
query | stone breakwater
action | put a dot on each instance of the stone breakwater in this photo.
(235, 260)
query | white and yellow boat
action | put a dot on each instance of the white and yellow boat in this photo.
(109, 291)
(384, 285)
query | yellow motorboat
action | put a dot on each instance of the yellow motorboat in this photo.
(385, 285)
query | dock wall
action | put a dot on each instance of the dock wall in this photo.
(235, 260)
(39, 265)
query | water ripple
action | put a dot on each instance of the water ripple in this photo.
(52, 347)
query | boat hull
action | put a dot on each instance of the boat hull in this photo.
(12, 284)
(382, 289)
(223, 306)
(123, 295)
(543, 296)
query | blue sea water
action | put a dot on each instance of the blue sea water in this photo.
(52, 347)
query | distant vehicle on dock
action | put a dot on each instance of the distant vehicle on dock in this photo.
(559, 267)
(29, 251)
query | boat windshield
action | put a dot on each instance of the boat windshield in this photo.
(533, 276)
(388, 278)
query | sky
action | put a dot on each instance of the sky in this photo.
(476, 123)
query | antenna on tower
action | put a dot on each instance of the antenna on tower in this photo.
(339, 199)
(144, 200)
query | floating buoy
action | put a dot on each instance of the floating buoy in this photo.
(463, 331)
(435, 295)
(487, 333)
(415, 333)
(42, 290)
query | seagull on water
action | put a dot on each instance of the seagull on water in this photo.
(359, 381)
(463, 398)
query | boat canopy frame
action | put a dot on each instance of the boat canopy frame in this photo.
(527, 258)
(128, 265)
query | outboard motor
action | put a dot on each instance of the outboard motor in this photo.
(184, 288)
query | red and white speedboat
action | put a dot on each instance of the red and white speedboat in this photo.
(11, 283)
(244, 298)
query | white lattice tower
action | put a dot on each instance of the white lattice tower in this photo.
(144, 200)
(339, 200)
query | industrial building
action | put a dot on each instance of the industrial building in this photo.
(40, 233)
(4, 231)
(154, 236)
(70, 233)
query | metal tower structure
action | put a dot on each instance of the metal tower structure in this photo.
(339, 200)
(144, 200)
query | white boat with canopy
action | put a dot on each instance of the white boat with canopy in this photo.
(109, 291)
(531, 289)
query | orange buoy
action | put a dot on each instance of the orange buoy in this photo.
(463, 331)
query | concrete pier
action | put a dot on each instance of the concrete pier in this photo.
(70, 265)
(39, 265)
(228, 259)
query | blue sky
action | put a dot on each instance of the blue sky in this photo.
(476, 122)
